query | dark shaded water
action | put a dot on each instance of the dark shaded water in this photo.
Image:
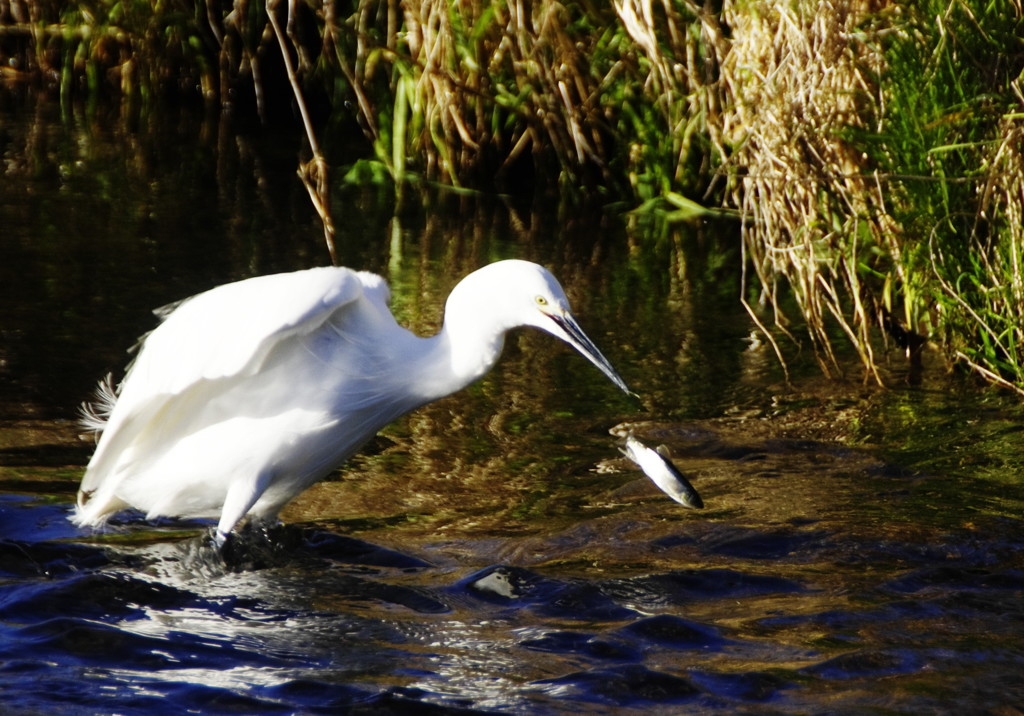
(860, 550)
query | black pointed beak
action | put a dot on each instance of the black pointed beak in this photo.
(575, 336)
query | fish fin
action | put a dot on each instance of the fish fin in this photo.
(663, 451)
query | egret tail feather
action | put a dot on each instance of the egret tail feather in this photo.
(94, 414)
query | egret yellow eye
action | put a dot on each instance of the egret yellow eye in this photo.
(541, 301)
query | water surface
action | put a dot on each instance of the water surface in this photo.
(492, 553)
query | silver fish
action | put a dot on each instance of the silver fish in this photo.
(658, 466)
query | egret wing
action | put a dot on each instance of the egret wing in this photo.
(230, 329)
(209, 339)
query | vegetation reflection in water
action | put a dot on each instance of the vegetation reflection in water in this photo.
(860, 548)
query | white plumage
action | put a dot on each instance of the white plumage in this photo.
(249, 393)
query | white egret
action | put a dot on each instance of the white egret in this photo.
(251, 392)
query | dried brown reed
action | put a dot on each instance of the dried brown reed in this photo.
(473, 85)
(854, 133)
(799, 77)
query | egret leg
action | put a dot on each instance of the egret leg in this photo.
(242, 495)
(219, 539)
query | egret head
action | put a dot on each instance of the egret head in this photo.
(520, 293)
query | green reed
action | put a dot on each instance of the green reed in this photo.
(131, 50)
(952, 143)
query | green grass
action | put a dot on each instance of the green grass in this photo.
(949, 145)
